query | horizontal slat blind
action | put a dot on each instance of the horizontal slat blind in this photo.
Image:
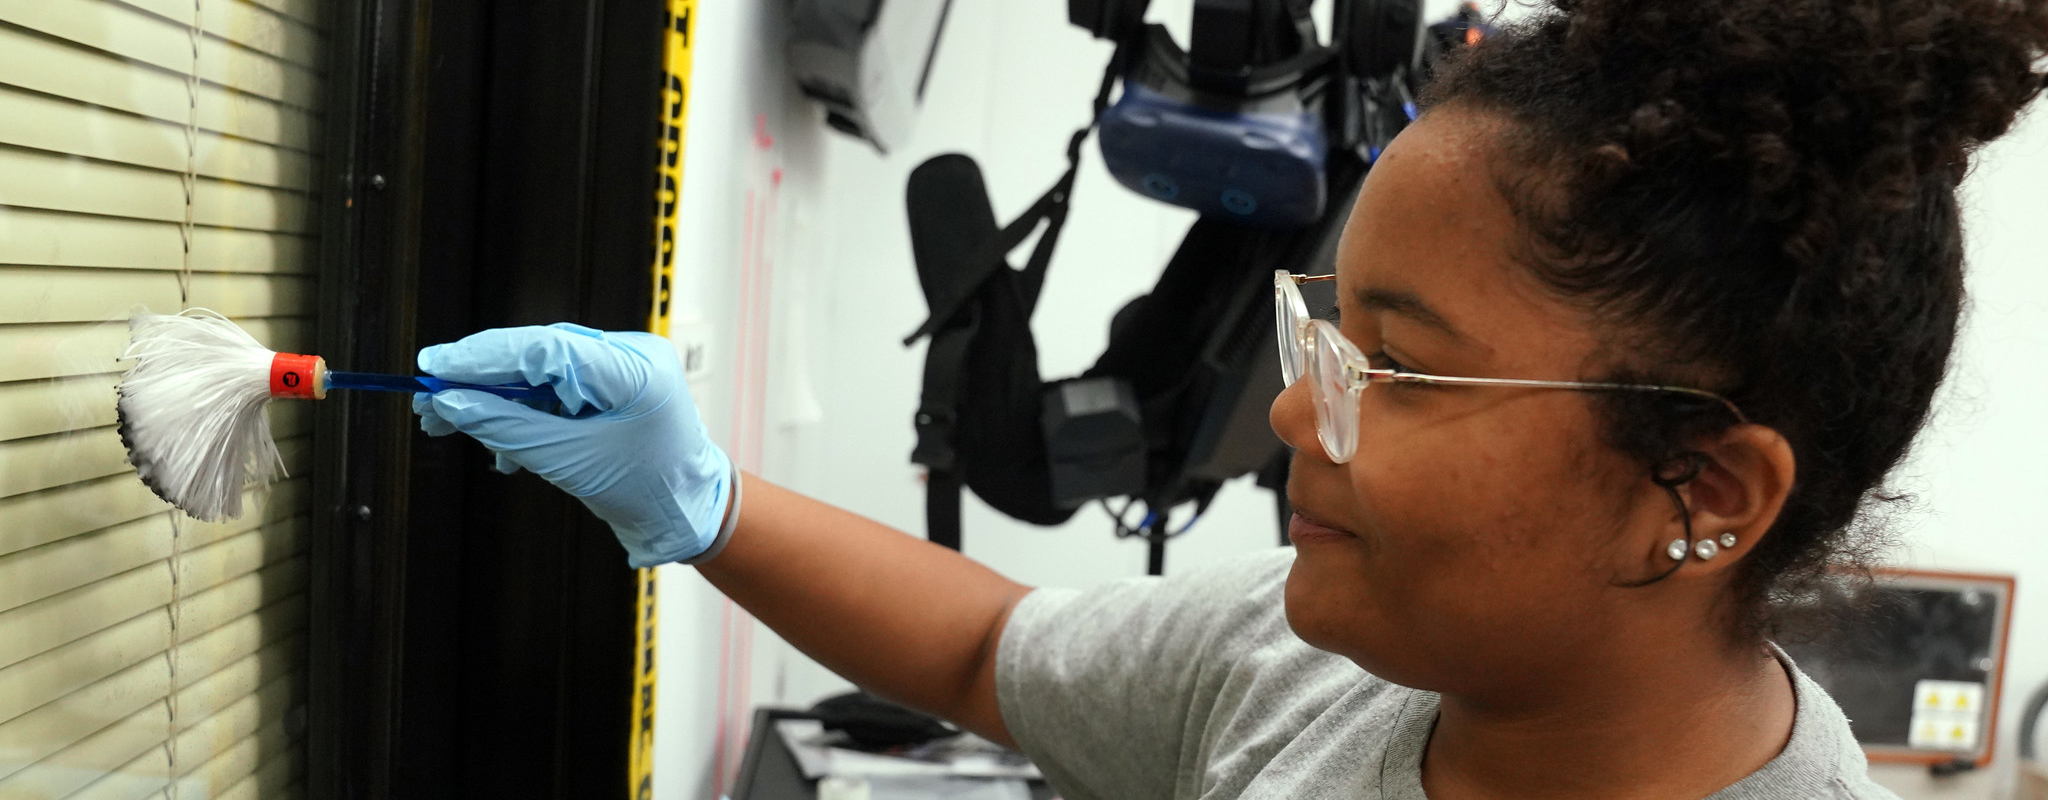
(158, 154)
(144, 38)
(72, 596)
(60, 126)
(56, 182)
(29, 236)
(34, 62)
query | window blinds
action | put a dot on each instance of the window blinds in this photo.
(158, 153)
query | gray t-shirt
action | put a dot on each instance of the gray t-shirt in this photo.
(1195, 687)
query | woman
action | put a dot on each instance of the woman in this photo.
(1634, 321)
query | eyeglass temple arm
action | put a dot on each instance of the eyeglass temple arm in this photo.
(1411, 377)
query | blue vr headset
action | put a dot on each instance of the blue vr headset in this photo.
(1240, 125)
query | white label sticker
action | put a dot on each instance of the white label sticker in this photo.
(1946, 715)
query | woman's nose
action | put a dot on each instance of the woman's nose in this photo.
(1293, 417)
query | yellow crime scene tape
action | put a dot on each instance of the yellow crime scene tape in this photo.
(678, 27)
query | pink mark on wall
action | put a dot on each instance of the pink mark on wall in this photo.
(760, 204)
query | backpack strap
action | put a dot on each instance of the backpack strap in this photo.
(938, 204)
(937, 413)
(958, 249)
(951, 223)
(940, 194)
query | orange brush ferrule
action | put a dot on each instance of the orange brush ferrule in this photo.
(298, 377)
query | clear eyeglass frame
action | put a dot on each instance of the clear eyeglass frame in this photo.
(1339, 373)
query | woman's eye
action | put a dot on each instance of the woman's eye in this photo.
(1381, 360)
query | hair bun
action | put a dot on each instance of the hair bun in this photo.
(1883, 90)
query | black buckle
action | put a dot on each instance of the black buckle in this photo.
(934, 440)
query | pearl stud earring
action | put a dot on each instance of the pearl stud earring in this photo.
(1676, 550)
(1727, 541)
(1706, 549)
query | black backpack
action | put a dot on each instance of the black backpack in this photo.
(1197, 352)
(1194, 359)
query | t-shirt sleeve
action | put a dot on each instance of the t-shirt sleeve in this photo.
(1106, 688)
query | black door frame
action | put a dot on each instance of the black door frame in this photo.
(488, 163)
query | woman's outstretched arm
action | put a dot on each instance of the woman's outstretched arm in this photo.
(899, 616)
(907, 619)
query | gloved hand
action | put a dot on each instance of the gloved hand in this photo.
(631, 447)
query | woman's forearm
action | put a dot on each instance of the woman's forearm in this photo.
(904, 618)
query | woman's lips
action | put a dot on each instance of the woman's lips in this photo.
(1302, 530)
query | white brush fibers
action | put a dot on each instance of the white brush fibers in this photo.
(191, 411)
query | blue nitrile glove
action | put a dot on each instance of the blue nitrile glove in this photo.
(629, 445)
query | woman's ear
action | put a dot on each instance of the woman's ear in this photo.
(1746, 474)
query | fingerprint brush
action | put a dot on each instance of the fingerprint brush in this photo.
(190, 408)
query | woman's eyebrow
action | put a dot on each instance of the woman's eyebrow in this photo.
(1406, 304)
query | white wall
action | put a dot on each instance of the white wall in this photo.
(751, 156)
(830, 255)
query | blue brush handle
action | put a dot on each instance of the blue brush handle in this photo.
(409, 384)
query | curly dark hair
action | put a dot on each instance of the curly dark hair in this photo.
(1759, 197)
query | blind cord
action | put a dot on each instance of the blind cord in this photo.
(176, 611)
(190, 179)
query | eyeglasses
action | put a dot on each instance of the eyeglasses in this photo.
(1338, 372)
